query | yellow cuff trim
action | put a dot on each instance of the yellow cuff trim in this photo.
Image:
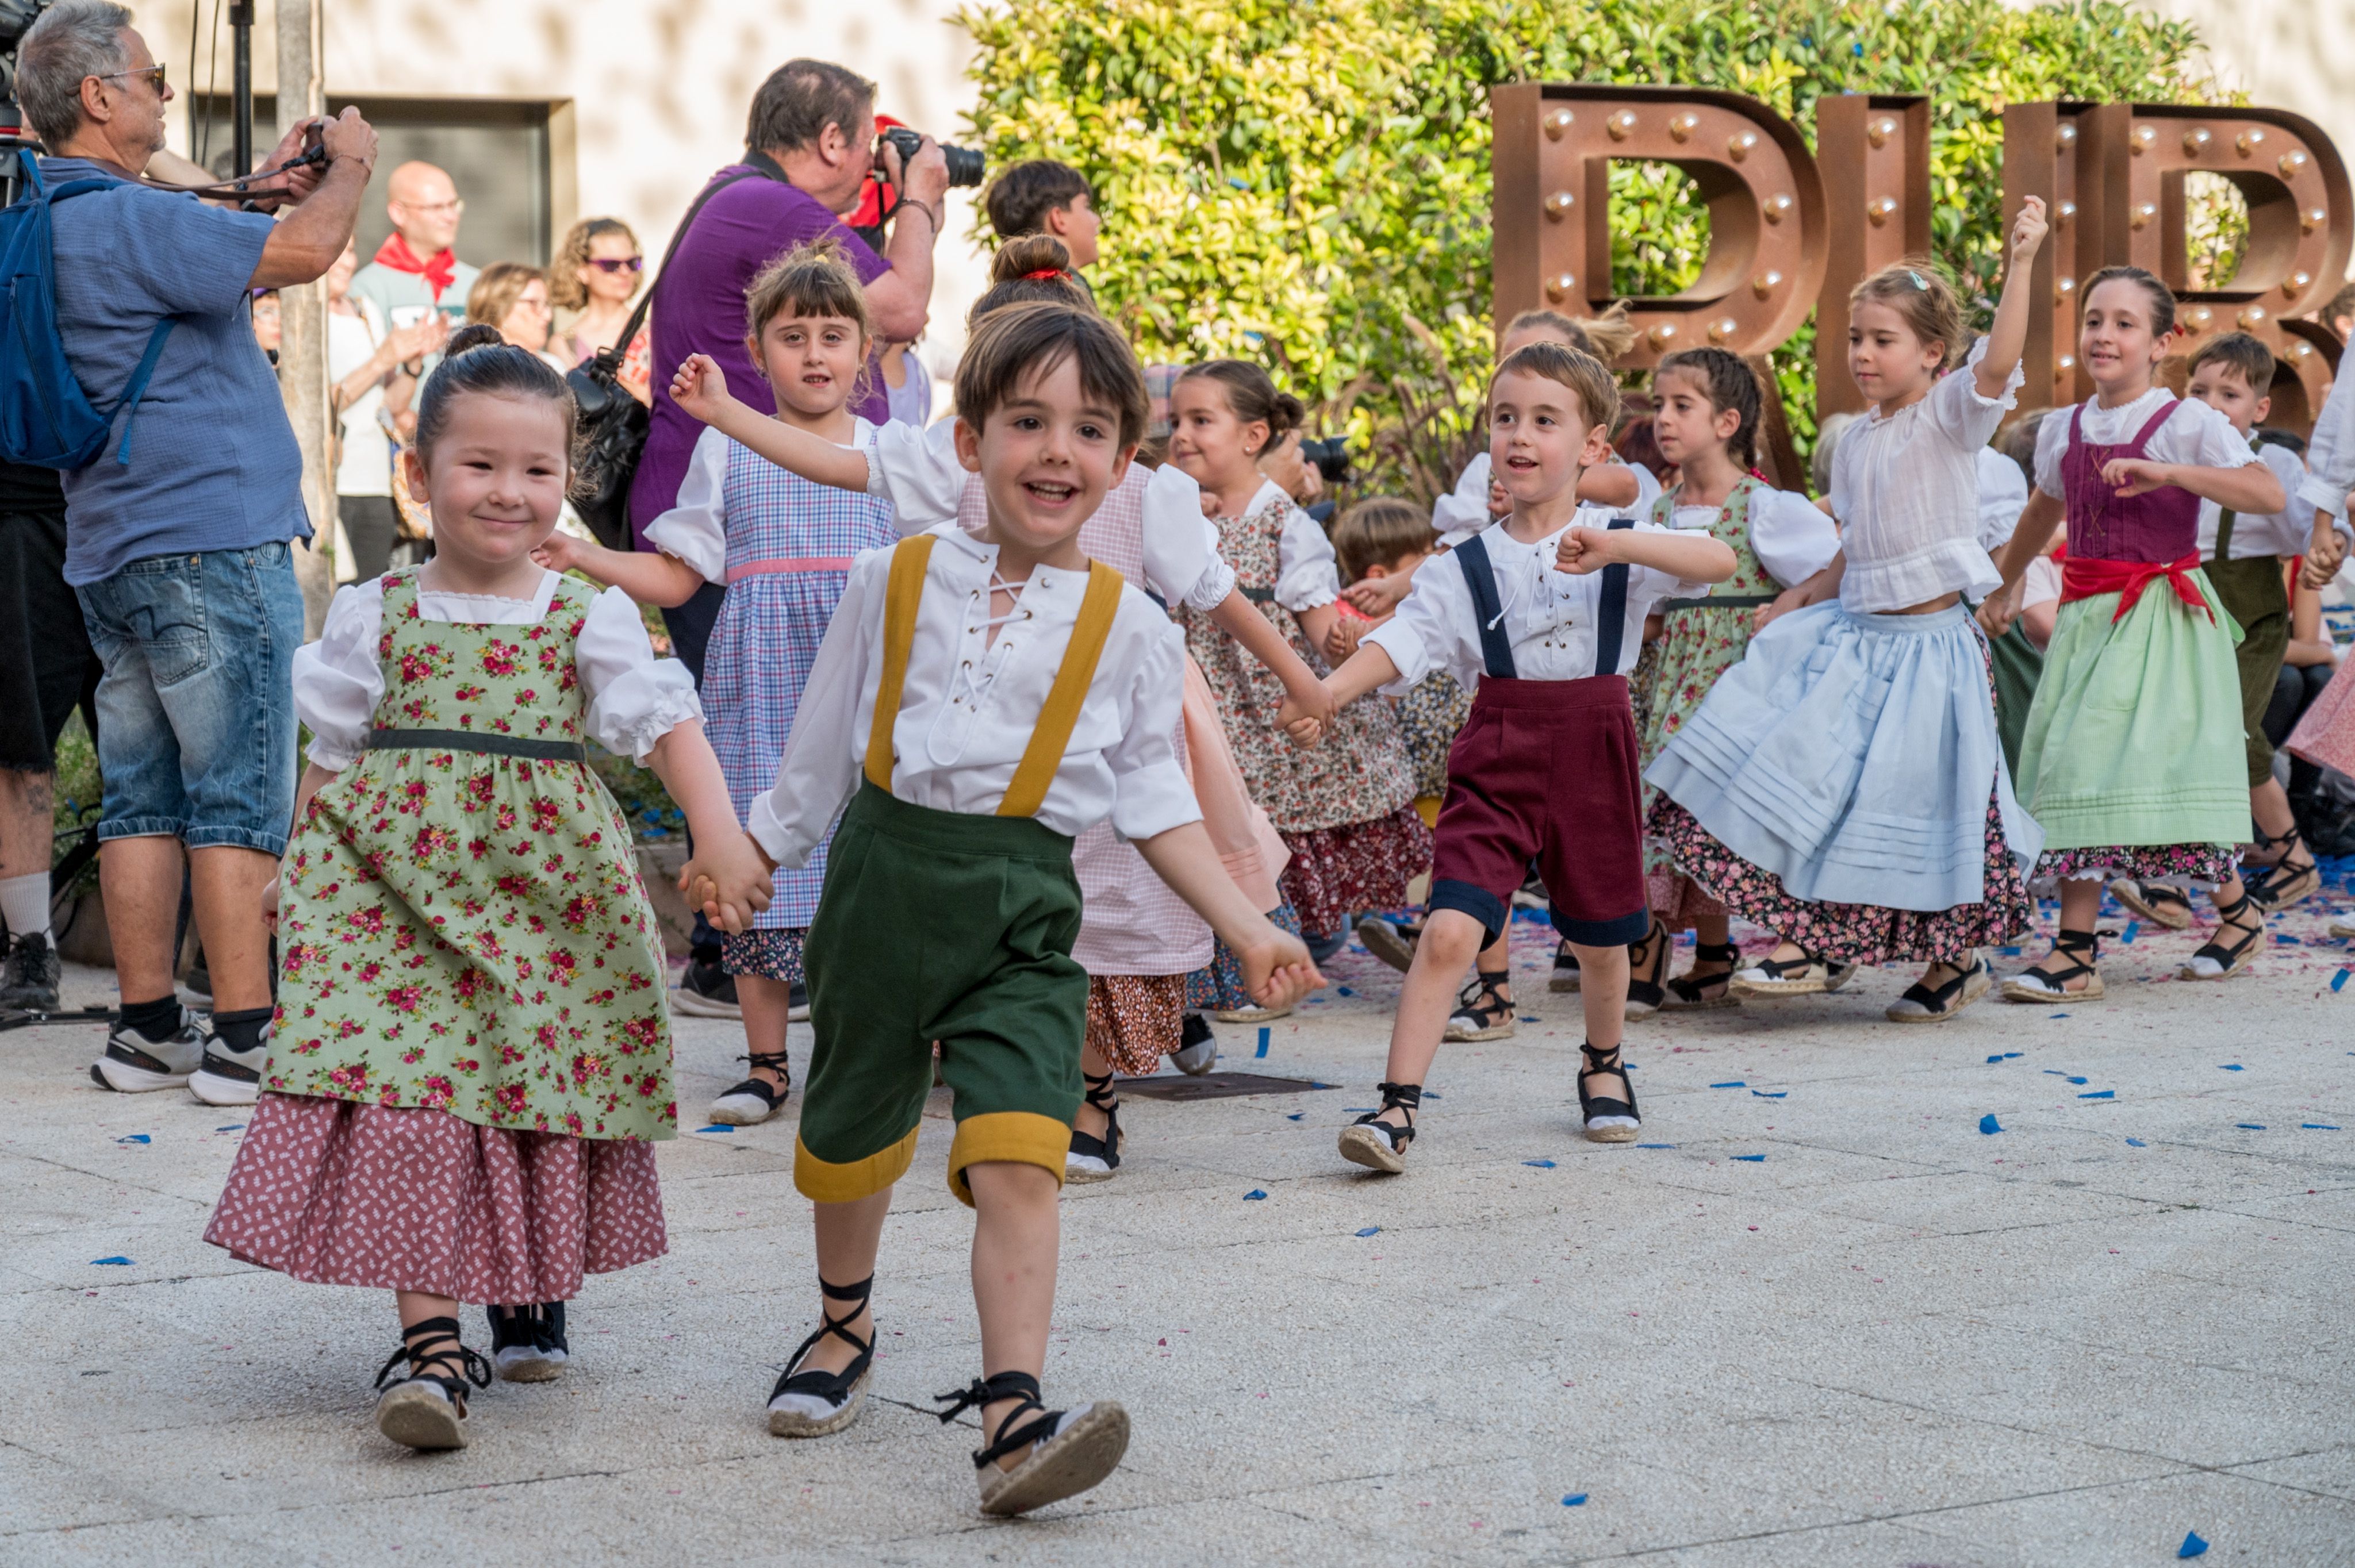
(822, 1181)
(1016, 1137)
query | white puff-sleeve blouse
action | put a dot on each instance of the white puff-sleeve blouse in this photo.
(634, 698)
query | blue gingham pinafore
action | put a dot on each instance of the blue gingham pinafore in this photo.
(790, 545)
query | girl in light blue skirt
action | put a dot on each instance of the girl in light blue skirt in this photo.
(1845, 783)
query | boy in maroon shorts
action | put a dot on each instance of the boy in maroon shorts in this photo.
(1540, 617)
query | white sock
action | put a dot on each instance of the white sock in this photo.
(24, 904)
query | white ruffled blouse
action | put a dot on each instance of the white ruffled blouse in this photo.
(1906, 488)
(1788, 532)
(634, 698)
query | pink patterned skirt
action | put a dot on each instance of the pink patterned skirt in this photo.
(2325, 731)
(402, 1199)
(1359, 866)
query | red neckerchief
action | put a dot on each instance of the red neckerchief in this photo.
(2085, 579)
(437, 269)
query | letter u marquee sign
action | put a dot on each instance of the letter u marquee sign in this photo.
(1791, 232)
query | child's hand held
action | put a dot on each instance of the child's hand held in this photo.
(269, 904)
(1582, 550)
(1277, 969)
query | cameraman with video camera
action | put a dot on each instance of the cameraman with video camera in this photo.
(810, 148)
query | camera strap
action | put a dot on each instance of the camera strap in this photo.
(763, 167)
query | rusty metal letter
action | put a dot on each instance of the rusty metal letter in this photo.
(1874, 153)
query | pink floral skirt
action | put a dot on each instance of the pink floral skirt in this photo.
(1135, 1020)
(1337, 872)
(404, 1199)
(1680, 901)
(2205, 864)
(1855, 933)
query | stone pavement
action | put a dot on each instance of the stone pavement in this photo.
(1822, 1318)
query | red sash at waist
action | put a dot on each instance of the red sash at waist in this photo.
(2084, 578)
(790, 564)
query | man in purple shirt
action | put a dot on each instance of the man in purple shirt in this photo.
(810, 145)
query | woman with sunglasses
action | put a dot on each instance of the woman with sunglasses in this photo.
(596, 274)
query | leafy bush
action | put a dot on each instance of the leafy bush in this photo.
(1308, 183)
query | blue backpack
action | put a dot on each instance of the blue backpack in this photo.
(45, 420)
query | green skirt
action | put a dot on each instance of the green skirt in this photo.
(2134, 736)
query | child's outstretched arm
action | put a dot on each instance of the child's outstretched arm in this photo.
(2252, 488)
(1236, 617)
(2037, 521)
(1694, 556)
(728, 876)
(1369, 668)
(1609, 485)
(701, 389)
(650, 576)
(1277, 969)
(2006, 336)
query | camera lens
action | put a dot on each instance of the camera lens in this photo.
(967, 167)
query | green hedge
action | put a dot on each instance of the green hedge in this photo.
(1306, 182)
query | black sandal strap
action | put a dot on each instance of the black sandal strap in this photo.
(1407, 1097)
(1605, 1063)
(769, 1094)
(831, 1386)
(2229, 955)
(1013, 1431)
(1716, 952)
(421, 1345)
(1099, 1093)
(1935, 1000)
(1780, 968)
(2070, 945)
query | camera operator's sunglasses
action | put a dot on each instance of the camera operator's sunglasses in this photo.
(618, 263)
(154, 73)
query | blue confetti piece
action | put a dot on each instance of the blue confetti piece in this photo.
(1295, 1116)
(2099, 1094)
(2137, 1143)
(1540, 1164)
(2133, 929)
(1372, 1231)
(2056, 1016)
(2320, 1125)
(1754, 1159)
(1988, 1124)
(2231, 1067)
(1253, 1196)
(1354, 1110)
(1672, 1146)
(2249, 1126)
(135, 1138)
(111, 1261)
(1344, 991)
(2339, 982)
(716, 1127)
(1263, 1041)
(2057, 1073)
(2192, 1545)
(1731, 1084)
(1574, 1499)
(2008, 952)
(233, 1126)
(1433, 1095)
(2004, 1056)
(1770, 1094)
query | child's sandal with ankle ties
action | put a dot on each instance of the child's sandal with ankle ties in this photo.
(1684, 993)
(1376, 1144)
(755, 1100)
(2222, 960)
(1093, 1157)
(819, 1404)
(2155, 901)
(2080, 952)
(1483, 1012)
(427, 1409)
(1608, 1119)
(1070, 1450)
(1648, 968)
(527, 1343)
(1809, 974)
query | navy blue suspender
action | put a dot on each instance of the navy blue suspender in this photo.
(1497, 645)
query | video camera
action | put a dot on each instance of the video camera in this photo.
(16, 18)
(1331, 457)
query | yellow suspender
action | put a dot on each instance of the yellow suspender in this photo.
(901, 597)
(1058, 716)
(1060, 712)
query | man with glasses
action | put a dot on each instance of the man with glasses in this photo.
(415, 271)
(177, 536)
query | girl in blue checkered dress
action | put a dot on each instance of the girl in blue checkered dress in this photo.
(784, 548)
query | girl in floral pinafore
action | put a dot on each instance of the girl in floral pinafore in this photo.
(1709, 406)
(471, 1058)
(1346, 808)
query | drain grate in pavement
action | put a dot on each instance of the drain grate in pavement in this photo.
(1214, 1086)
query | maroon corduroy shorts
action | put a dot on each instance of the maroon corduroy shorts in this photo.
(1544, 773)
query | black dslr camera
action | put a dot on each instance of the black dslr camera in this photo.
(967, 167)
(1331, 457)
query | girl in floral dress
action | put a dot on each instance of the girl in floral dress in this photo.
(1346, 811)
(1708, 407)
(782, 548)
(471, 1060)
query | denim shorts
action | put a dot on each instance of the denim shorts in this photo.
(196, 711)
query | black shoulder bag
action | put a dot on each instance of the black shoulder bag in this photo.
(613, 425)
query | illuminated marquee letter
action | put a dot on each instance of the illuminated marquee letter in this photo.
(1553, 148)
(1874, 153)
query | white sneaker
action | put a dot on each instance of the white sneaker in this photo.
(134, 1064)
(227, 1077)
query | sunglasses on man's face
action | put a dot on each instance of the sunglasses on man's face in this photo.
(618, 263)
(154, 72)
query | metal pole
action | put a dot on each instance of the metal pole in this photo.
(302, 347)
(241, 23)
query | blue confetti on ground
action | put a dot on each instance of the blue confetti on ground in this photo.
(1540, 1164)
(1672, 1146)
(1731, 1084)
(2320, 1125)
(2137, 1143)
(135, 1138)
(1990, 1125)
(2231, 1067)
(2004, 1056)
(1433, 1095)
(1372, 1231)
(1344, 991)
(1295, 1116)
(1573, 1500)
(2192, 1545)
(2008, 952)
(716, 1127)
(1754, 1159)
(1771, 1094)
(2339, 982)
(2056, 1016)
(1263, 1041)
(111, 1261)
(1356, 1110)
(2057, 1073)
(2249, 1126)
(233, 1126)
(1253, 1196)
(2098, 1093)
(2133, 929)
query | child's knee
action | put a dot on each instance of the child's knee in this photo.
(1450, 938)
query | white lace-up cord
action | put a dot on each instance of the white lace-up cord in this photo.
(963, 688)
